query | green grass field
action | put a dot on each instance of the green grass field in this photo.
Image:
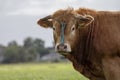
(41, 71)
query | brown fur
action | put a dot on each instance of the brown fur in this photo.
(96, 48)
(99, 41)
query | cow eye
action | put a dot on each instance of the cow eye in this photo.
(73, 28)
(54, 28)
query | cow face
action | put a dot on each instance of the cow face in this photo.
(65, 27)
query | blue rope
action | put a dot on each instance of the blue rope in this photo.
(62, 32)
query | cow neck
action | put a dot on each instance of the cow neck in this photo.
(84, 44)
(79, 48)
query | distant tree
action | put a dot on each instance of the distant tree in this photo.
(39, 43)
(40, 47)
(15, 53)
(13, 43)
(30, 55)
(31, 49)
(44, 52)
(12, 54)
(28, 42)
(2, 49)
(36, 44)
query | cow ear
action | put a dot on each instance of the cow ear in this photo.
(46, 22)
(84, 20)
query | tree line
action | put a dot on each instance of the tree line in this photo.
(29, 51)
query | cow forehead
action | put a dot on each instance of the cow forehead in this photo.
(63, 16)
(64, 19)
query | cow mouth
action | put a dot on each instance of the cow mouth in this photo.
(64, 52)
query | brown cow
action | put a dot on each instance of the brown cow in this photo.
(90, 39)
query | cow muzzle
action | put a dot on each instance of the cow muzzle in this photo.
(63, 48)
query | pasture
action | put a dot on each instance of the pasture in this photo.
(39, 71)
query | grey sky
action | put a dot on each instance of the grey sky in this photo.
(18, 17)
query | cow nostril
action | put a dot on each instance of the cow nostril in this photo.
(61, 47)
(65, 46)
(58, 47)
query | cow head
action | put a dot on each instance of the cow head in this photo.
(65, 25)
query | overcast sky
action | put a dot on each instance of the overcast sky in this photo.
(18, 17)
